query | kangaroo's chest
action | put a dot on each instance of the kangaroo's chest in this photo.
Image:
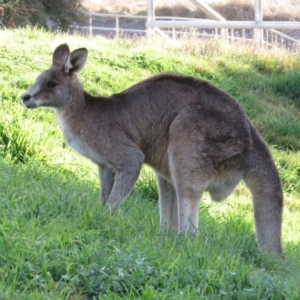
(80, 141)
(83, 147)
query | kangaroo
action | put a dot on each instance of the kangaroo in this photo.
(195, 137)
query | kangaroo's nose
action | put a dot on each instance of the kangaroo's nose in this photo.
(25, 97)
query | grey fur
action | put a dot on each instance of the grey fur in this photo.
(195, 137)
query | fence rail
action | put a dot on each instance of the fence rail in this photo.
(225, 24)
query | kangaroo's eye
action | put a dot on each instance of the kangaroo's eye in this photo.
(51, 84)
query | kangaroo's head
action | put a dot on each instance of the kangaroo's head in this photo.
(58, 86)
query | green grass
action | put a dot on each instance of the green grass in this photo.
(58, 242)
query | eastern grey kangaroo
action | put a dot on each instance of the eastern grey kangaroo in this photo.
(196, 138)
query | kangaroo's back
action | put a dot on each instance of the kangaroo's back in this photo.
(179, 91)
(147, 110)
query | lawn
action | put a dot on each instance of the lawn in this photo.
(58, 242)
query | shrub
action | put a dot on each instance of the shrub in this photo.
(18, 13)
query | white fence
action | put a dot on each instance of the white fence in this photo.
(258, 32)
(116, 27)
(260, 37)
(173, 27)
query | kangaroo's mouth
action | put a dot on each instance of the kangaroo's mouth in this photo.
(27, 101)
(29, 105)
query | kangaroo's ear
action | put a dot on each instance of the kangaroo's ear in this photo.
(76, 60)
(60, 55)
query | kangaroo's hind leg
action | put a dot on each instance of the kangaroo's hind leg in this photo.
(167, 205)
(201, 140)
(191, 176)
(189, 184)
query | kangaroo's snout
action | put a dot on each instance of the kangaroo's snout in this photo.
(25, 97)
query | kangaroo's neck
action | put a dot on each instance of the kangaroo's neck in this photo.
(75, 116)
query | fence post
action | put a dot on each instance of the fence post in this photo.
(117, 27)
(173, 31)
(150, 16)
(258, 37)
(91, 25)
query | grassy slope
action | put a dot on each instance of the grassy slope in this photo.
(56, 242)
